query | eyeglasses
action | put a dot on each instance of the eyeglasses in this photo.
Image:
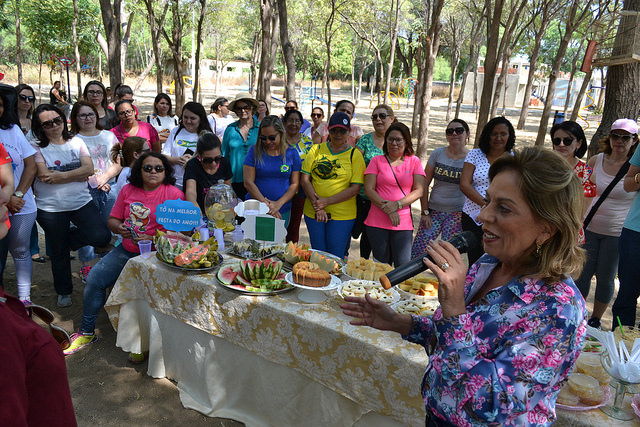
(94, 92)
(50, 124)
(149, 168)
(382, 116)
(294, 122)
(271, 138)
(289, 108)
(126, 113)
(87, 116)
(209, 160)
(624, 138)
(242, 108)
(457, 131)
(566, 141)
(395, 141)
(315, 115)
(27, 98)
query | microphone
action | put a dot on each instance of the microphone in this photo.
(463, 242)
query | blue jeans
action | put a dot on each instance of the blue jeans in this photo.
(102, 276)
(332, 236)
(104, 202)
(87, 231)
(629, 275)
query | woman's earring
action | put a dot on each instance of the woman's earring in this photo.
(538, 249)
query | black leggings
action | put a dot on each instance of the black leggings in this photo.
(468, 224)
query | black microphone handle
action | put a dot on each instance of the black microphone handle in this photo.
(462, 242)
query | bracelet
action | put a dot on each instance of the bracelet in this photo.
(399, 205)
(635, 178)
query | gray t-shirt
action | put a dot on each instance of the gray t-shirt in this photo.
(445, 195)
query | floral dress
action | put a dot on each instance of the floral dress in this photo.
(504, 361)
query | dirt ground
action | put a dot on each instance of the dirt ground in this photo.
(106, 389)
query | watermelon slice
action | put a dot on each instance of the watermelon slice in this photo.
(227, 275)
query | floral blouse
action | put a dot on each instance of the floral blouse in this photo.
(505, 360)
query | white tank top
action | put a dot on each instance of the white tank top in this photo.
(611, 214)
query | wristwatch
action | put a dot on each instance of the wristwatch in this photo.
(426, 212)
(19, 194)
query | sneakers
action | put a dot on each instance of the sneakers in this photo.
(137, 358)
(594, 323)
(79, 341)
(84, 272)
(64, 301)
(27, 302)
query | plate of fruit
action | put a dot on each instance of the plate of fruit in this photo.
(250, 277)
(181, 252)
(297, 252)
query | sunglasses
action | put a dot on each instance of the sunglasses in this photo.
(27, 98)
(455, 131)
(624, 138)
(566, 141)
(60, 335)
(126, 113)
(50, 124)
(149, 168)
(316, 115)
(289, 108)
(382, 116)
(243, 108)
(209, 160)
(271, 138)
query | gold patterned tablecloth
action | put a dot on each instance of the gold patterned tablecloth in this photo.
(375, 369)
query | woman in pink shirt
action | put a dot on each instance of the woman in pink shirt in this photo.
(130, 126)
(393, 182)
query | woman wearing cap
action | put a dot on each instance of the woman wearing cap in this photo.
(272, 169)
(347, 107)
(219, 118)
(239, 137)
(393, 181)
(624, 306)
(604, 229)
(332, 174)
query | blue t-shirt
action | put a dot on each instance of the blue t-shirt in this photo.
(235, 148)
(633, 217)
(273, 176)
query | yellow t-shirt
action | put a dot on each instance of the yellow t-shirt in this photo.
(330, 174)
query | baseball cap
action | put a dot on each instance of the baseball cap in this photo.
(625, 124)
(339, 120)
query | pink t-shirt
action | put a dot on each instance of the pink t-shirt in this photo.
(145, 130)
(137, 208)
(387, 188)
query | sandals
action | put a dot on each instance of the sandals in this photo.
(39, 259)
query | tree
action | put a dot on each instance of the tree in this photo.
(155, 26)
(175, 45)
(76, 50)
(622, 97)
(574, 17)
(287, 52)
(474, 50)
(111, 21)
(393, 35)
(269, 24)
(196, 74)
(18, 41)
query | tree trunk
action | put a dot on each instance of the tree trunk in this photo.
(111, 21)
(533, 63)
(268, 16)
(40, 79)
(74, 31)
(19, 42)
(154, 26)
(125, 42)
(175, 45)
(392, 49)
(144, 75)
(622, 97)
(196, 74)
(418, 92)
(490, 63)
(455, 59)
(603, 83)
(328, 36)
(574, 67)
(467, 68)
(254, 59)
(577, 106)
(287, 51)
(501, 81)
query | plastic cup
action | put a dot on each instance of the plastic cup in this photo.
(145, 248)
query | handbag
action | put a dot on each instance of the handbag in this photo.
(621, 172)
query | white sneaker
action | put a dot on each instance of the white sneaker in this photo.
(64, 301)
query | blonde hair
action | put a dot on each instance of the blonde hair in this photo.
(276, 123)
(386, 108)
(554, 193)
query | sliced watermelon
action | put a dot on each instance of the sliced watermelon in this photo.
(242, 281)
(227, 275)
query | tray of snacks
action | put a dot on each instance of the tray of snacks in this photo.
(366, 269)
(423, 285)
(251, 249)
(297, 252)
(419, 306)
(358, 288)
(249, 277)
(309, 275)
(583, 393)
(178, 251)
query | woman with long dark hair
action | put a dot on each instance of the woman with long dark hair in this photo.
(163, 120)
(96, 94)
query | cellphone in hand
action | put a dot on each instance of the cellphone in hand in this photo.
(134, 235)
(189, 151)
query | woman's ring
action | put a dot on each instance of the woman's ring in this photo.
(444, 266)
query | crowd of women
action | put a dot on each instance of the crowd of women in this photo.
(532, 209)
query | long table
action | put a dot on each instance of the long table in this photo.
(264, 360)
